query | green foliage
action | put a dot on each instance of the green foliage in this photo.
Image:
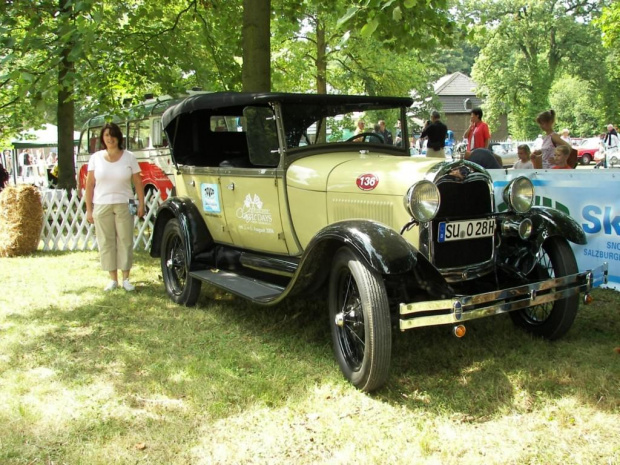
(525, 47)
(576, 107)
(401, 25)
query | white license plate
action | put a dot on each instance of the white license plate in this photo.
(461, 230)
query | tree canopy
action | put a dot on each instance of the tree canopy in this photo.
(526, 47)
(93, 55)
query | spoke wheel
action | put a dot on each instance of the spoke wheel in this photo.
(553, 319)
(180, 286)
(360, 321)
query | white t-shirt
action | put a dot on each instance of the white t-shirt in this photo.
(523, 165)
(113, 180)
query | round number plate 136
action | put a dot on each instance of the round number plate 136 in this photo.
(367, 182)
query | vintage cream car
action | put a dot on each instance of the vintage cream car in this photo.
(277, 198)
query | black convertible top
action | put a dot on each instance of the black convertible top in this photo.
(219, 100)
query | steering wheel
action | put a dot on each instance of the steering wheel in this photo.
(363, 135)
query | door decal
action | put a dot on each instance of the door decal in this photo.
(210, 197)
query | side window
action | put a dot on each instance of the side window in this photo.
(83, 148)
(93, 140)
(226, 124)
(160, 139)
(139, 135)
(262, 135)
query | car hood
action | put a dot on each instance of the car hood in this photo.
(352, 172)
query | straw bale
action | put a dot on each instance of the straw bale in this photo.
(21, 220)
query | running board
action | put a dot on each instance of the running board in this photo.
(249, 288)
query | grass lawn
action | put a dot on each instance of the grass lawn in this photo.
(88, 377)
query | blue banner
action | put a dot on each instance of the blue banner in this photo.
(591, 197)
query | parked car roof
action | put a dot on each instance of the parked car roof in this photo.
(217, 100)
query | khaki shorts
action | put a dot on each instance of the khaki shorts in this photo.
(114, 228)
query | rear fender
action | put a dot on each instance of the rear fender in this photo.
(195, 233)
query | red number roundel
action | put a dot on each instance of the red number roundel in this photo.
(367, 182)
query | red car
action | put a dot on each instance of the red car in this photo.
(587, 150)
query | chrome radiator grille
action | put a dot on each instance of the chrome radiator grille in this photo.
(462, 200)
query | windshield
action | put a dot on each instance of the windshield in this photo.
(307, 125)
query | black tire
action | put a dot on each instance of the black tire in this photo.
(586, 159)
(180, 286)
(360, 321)
(551, 320)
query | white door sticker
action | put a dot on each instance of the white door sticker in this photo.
(210, 197)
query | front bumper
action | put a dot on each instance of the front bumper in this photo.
(470, 307)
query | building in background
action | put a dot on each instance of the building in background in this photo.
(457, 95)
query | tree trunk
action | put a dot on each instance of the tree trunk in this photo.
(65, 112)
(321, 58)
(256, 70)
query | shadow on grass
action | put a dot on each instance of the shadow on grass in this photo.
(226, 355)
(497, 368)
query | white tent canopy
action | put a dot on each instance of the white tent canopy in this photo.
(45, 137)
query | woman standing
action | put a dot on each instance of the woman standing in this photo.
(546, 120)
(108, 190)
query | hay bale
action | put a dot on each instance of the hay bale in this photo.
(21, 220)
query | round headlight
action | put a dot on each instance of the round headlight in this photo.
(422, 201)
(519, 194)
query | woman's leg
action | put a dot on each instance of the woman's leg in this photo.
(125, 232)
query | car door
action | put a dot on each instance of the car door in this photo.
(251, 194)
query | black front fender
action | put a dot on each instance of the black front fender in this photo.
(380, 247)
(551, 222)
(385, 251)
(195, 232)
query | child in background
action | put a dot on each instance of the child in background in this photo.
(524, 163)
(560, 157)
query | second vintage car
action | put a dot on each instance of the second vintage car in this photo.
(274, 202)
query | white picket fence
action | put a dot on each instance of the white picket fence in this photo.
(65, 226)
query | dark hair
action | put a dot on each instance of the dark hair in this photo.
(477, 112)
(435, 114)
(115, 131)
(546, 117)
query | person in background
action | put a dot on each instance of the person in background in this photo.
(398, 140)
(611, 138)
(546, 120)
(387, 135)
(4, 177)
(52, 159)
(449, 143)
(377, 130)
(524, 162)
(25, 169)
(8, 161)
(538, 142)
(360, 127)
(565, 135)
(435, 133)
(560, 157)
(111, 172)
(477, 135)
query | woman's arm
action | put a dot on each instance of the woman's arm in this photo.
(90, 189)
(137, 182)
(557, 140)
